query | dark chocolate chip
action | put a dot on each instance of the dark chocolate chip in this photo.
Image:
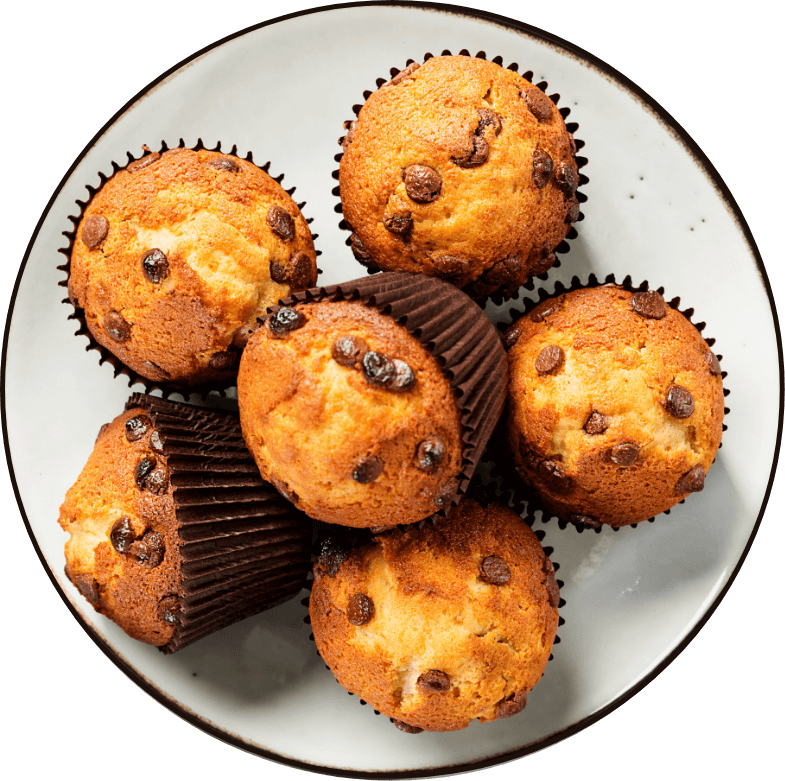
(573, 212)
(476, 155)
(649, 304)
(539, 104)
(566, 178)
(157, 481)
(331, 555)
(489, 118)
(625, 453)
(359, 609)
(550, 360)
(541, 314)
(169, 609)
(156, 443)
(404, 727)
(430, 453)
(404, 376)
(423, 184)
(542, 168)
(541, 259)
(155, 266)
(224, 164)
(88, 587)
(223, 361)
(510, 273)
(585, 520)
(510, 706)
(679, 402)
(692, 481)
(136, 427)
(142, 162)
(551, 586)
(101, 431)
(150, 550)
(278, 272)
(596, 424)
(349, 351)
(494, 570)
(368, 469)
(434, 681)
(712, 362)
(378, 369)
(405, 73)
(446, 492)
(556, 475)
(285, 320)
(451, 266)
(398, 223)
(122, 534)
(94, 230)
(512, 334)
(145, 465)
(116, 326)
(301, 271)
(358, 249)
(281, 222)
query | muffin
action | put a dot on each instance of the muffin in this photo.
(615, 405)
(348, 410)
(438, 626)
(173, 534)
(177, 255)
(461, 169)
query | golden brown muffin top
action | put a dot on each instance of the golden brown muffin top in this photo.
(123, 551)
(439, 626)
(461, 169)
(349, 416)
(178, 254)
(616, 404)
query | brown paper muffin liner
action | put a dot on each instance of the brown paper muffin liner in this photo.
(243, 549)
(497, 452)
(485, 494)
(455, 331)
(105, 356)
(561, 249)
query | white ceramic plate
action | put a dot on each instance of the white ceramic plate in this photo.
(656, 210)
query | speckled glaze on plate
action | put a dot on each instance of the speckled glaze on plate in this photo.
(657, 210)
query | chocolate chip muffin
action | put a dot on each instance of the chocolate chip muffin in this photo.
(460, 169)
(178, 254)
(438, 626)
(352, 416)
(173, 533)
(616, 405)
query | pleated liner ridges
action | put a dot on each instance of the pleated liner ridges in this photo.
(455, 330)
(243, 549)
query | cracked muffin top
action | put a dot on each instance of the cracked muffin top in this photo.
(178, 254)
(616, 405)
(460, 169)
(349, 416)
(438, 626)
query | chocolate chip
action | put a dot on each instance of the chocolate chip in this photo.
(144, 466)
(405, 73)
(278, 272)
(331, 555)
(122, 534)
(596, 424)
(510, 706)
(679, 402)
(712, 362)
(451, 266)
(142, 162)
(446, 492)
(550, 359)
(398, 223)
(116, 326)
(556, 475)
(566, 178)
(573, 212)
(378, 369)
(489, 118)
(101, 431)
(349, 137)
(156, 443)
(539, 104)
(368, 470)
(430, 453)
(692, 481)
(358, 249)
(512, 334)
(423, 184)
(281, 222)
(155, 266)
(223, 361)
(224, 164)
(551, 586)
(150, 550)
(285, 320)
(625, 454)
(476, 155)
(541, 314)
(494, 570)
(434, 681)
(169, 609)
(541, 258)
(88, 587)
(542, 168)
(136, 427)
(94, 230)
(649, 304)
(404, 727)
(301, 271)
(404, 376)
(157, 481)
(348, 351)
(359, 609)
(585, 520)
